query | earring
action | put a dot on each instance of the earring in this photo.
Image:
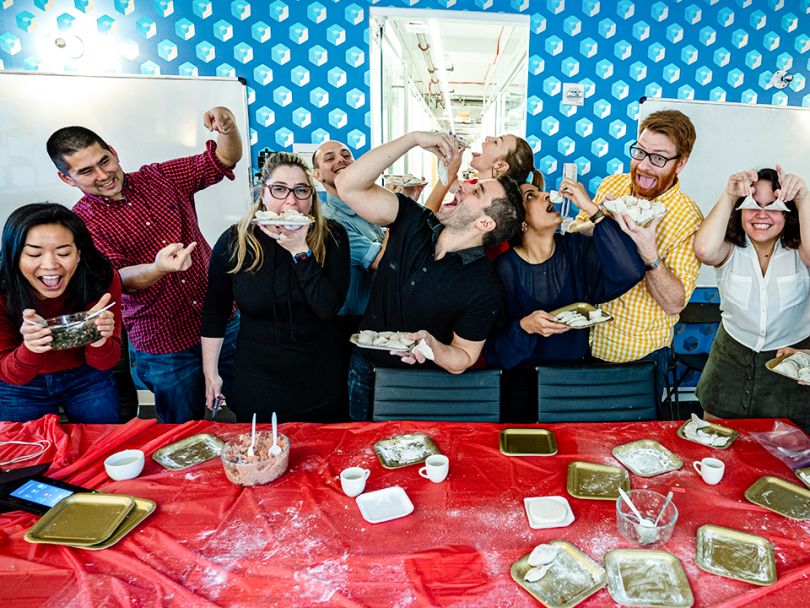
(524, 227)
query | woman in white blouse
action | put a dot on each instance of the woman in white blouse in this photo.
(758, 239)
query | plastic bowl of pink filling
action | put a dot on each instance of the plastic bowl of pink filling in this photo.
(260, 468)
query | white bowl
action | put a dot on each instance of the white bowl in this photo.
(124, 465)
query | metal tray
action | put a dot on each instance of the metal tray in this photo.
(573, 577)
(780, 496)
(528, 442)
(646, 577)
(715, 429)
(81, 519)
(583, 308)
(632, 456)
(188, 452)
(404, 450)
(776, 361)
(596, 481)
(355, 337)
(804, 475)
(734, 554)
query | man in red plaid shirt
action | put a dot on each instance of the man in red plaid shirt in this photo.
(146, 224)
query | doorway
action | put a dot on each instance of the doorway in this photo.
(459, 71)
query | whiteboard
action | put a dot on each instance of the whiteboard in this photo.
(146, 119)
(732, 137)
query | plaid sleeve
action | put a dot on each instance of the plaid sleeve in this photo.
(683, 263)
(194, 173)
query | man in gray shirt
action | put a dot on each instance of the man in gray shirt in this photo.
(366, 241)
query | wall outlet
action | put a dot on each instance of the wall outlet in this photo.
(573, 94)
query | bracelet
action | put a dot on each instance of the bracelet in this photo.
(597, 216)
(654, 264)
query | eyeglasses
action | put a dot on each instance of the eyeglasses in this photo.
(280, 192)
(656, 160)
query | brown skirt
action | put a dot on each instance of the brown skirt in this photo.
(736, 384)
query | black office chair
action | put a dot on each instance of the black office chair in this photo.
(418, 394)
(598, 392)
(691, 343)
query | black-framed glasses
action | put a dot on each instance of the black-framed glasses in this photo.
(280, 192)
(657, 160)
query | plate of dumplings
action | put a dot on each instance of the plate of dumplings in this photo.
(795, 366)
(289, 218)
(640, 210)
(382, 340)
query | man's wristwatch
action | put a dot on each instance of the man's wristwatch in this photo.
(302, 257)
(654, 264)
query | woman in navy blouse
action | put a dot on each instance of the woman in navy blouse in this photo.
(545, 270)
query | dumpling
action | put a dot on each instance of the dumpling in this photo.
(543, 554)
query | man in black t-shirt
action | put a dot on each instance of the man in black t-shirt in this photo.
(434, 279)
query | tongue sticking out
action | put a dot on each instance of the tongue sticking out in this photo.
(51, 282)
(645, 182)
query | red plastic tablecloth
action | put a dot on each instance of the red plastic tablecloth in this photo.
(301, 542)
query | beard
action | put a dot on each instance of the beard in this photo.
(663, 183)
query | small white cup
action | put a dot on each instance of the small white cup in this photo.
(710, 469)
(436, 468)
(124, 465)
(353, 480)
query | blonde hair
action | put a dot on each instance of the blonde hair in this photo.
(246, 241)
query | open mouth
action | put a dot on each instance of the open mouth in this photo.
(645, 182)
(450, 205)
(760, 226)
(50, 282)
(106, 184)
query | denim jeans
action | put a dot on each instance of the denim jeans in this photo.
(177, 380)
(361, 387)
(87, 395)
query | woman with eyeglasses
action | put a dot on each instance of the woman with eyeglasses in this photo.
(289, 284)
(758, 239)
(545, 270)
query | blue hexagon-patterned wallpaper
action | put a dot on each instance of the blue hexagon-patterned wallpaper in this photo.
(306, 63)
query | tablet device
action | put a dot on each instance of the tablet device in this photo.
(35, 494)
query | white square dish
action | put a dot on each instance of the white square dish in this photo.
(384, 505)
(541, 510)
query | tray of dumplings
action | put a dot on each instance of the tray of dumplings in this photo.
(404, 181)
(580, 315)
(382, 340)
(404, 450)
(795, 366)
(640, 210)
(289, 219)
(558, 574)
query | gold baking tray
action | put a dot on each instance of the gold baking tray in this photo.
(583, 308)
(623, 453)
(776, 361)
(734, 554)
(780, 496)
(81, 519)
(647, 577)
(422, 447)
(714, 429)
(573, 577)
(528, 442)
(143, 509)
(804, 475)
(188, 452)
(596, 481)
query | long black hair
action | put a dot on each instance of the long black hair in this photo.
(791, 236)
(93, 275)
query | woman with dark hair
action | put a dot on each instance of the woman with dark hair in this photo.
(500, 155)
(545, 270)
(289, 285)
(758, 239)
(50, 267)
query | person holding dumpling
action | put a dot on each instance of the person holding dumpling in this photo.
(545, 270)
(50, 267)
(758, 239)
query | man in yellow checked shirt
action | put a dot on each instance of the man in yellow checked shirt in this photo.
(645, 316)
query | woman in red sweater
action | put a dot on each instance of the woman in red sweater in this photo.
(50, 267)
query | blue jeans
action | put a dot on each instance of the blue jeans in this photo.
(361, 387)
(177, 380)
(87, 395)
